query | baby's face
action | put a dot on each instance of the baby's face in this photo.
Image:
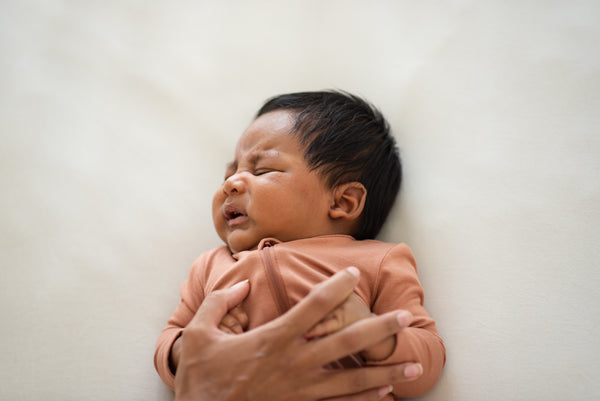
(269, 190)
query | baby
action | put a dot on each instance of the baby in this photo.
(312, 181)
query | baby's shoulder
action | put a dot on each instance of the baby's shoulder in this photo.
(216, 256)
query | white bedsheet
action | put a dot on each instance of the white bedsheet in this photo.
(117, 118)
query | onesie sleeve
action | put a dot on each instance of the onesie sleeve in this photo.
(398, 287)
(192, 295)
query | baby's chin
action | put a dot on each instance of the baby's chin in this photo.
(240, 246)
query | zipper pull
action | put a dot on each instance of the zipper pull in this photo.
(267, 242)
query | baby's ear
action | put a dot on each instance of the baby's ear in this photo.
(348, 201)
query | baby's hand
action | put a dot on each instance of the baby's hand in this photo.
(352, 310)
(235, 321)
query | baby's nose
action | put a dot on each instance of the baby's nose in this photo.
(233, 185)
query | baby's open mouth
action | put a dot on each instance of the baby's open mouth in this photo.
(233, 214)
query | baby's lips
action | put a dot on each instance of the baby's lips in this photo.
(231, 212)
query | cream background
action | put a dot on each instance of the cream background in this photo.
(117, 118)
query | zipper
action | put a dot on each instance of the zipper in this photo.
(276, 282)
(282, 301)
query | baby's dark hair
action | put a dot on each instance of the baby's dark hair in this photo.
(347, 139)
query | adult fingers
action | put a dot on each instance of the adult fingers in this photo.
(365, 381)
(329, 325)
(374, 394)
(322, 299)
(356, 337)
(218, 303)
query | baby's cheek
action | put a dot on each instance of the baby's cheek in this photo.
(217, 214)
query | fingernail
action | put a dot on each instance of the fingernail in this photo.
(241, 283)
(354, 271)
(412, 371)
(404, 318)
(383, 391)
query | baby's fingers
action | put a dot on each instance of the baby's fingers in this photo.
(226, 329)
(231, 325)
(241, 316)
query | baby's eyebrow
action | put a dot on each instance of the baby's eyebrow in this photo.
(254, 158)
(231, 166)
(264, 154)
(257, 156)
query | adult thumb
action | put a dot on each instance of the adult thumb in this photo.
(218, 303)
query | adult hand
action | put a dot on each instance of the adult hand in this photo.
(274, 362)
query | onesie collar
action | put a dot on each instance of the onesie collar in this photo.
(269, 241)
(264, 243)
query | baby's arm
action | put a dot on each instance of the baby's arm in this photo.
(351, 311)
(234, 322)
(398, 287)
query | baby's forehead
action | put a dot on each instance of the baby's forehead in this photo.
(268, 145)
(254, 146)
(270, 135)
